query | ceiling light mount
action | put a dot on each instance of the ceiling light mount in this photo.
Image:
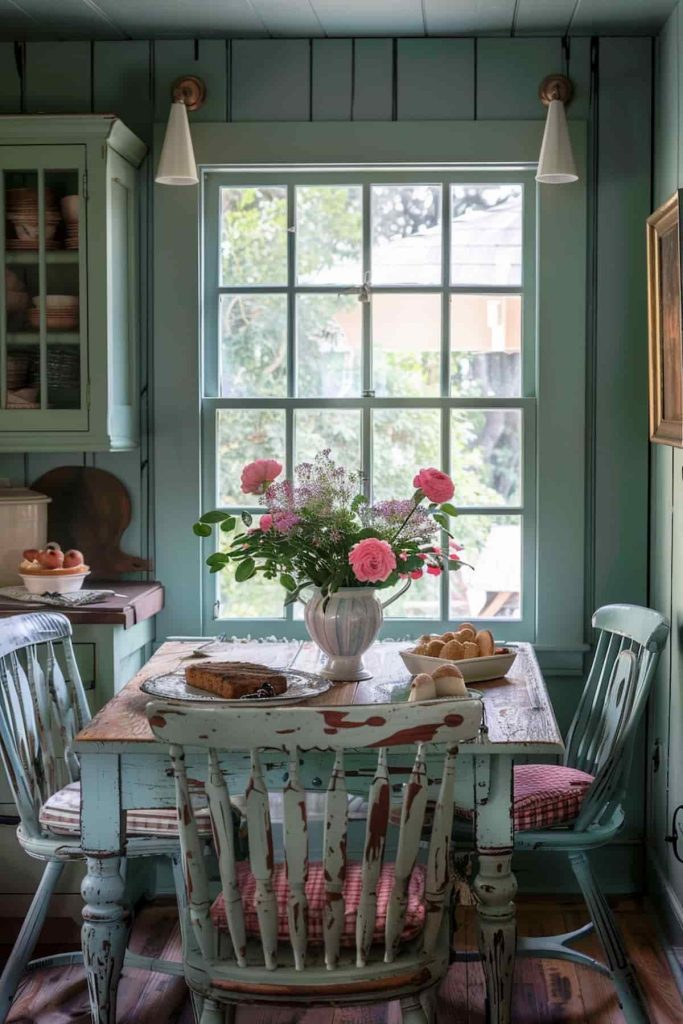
(189, 90)
(556, 87)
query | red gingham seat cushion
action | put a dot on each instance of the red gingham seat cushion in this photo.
(545, 795)
(61, 814)
(315, 894)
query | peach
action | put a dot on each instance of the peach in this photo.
(73, 558)
(51, 559)
(30, 554)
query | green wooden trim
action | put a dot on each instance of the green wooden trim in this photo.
(486, 146)
(42, 130)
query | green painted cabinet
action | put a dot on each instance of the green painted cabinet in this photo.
(69, 284)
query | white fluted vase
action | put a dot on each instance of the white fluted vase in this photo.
(345, 625)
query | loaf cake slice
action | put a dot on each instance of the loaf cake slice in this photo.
(234, 679)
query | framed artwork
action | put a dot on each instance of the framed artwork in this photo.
(664, 312)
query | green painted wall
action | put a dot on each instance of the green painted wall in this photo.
(665, 782)
(417, 79)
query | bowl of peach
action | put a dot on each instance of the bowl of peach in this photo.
(475, 653)
(50, 570)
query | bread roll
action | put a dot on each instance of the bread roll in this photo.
(485, 643)
(422, 688)
(434, 648)
(453, 650)
(449, 681)
(471, 650)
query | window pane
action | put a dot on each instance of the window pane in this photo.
(492, 544)
(486, 239)
(422, 600)
(486, 344)
(329, 222)
(253, 235)
(257, 598)
(406, 234)
(328, 338)
(406, 339)
(486, 447)
(253, 346)
(243, 435)
(338, 429)
(404, 441)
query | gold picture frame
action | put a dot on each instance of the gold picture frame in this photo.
(665, 339)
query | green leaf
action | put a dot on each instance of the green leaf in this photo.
(228, 524)
(449, 509)
(247, 518)
(214, 517)
(367, 532)
(288, 582)
(218, 558)
(359, 500)
(245, 570)
(202, 530)
(215, 568)
(441, 520)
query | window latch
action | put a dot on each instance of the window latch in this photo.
(363, 291)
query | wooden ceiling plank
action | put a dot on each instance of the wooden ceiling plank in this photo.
(205, 58)
(68, 19)
(158, 19)
(538, 17)
(295, 18)
(620, 17)
(469, 17)
(370, 17)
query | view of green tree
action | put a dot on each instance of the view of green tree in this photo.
(485, 444)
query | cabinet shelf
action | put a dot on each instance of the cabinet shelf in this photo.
(24, 258)
(31, 338)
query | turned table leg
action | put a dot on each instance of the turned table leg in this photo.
(495, 885)
(106, 919)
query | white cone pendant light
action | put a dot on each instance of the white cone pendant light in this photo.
(177, 164)
(556, 163)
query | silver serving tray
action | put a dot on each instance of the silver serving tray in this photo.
(300, 686)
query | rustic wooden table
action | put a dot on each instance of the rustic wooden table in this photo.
(123, 767)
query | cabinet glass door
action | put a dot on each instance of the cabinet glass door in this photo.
(43, 353)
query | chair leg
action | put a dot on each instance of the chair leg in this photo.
(212, 1012)
(411, 1011)
(628, 989)
(28, 936)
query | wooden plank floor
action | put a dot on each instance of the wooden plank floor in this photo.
(545, 991)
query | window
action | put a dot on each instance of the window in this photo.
(388, 316)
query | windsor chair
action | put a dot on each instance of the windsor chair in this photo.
(581, 801)
(332, 934)
(42, 707)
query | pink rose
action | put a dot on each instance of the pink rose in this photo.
(265, 523)
(372, 560)
(285, 521)
(257, 476)
(437, 486)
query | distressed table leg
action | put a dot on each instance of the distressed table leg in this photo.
(104, 935)
(495, 885)
(106, 920)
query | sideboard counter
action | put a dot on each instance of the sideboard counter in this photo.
(133, 603)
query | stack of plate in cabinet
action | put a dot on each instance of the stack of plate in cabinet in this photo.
(61, 313)
(69, 206)
(23, 221)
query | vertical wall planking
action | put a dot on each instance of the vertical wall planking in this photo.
(206, 58)
(331, 80)
(270, 80)
(58, 78)
(373, 65)
(10, 82)
(123, 83)
(435, 79)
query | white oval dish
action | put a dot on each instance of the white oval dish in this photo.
(474, 670)
(49, 584)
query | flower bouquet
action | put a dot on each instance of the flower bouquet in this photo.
(319, 531)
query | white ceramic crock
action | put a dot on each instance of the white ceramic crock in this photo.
(23, 524)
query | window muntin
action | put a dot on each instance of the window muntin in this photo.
(437, 368)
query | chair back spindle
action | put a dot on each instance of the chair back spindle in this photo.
(370, 732)
(602, 736)
(42, 708)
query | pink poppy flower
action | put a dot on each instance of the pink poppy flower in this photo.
(372, 560)
(265, 523)
(434, 570)
(437, 486)
(257, 476)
